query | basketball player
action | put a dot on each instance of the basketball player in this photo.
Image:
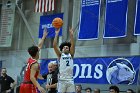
(32, 71)
(65, 56)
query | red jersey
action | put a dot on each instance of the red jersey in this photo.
(28, 70)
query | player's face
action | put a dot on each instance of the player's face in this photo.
(112, 91)
(65, 49)
(37, 55)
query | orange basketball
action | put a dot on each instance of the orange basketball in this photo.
(57, 22)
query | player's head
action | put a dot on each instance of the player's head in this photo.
(34, 51)
(114, 89)
(65, 47)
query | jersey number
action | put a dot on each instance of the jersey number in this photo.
(27, 66)
(67, 63)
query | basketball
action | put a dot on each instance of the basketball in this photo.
(57, 22)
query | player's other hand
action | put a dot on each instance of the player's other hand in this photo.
(45, 32)
(71, 31)
(42, 90)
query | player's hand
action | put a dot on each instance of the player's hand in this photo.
(45, 32)
(71, 31)
(57, 30)
(42, 90)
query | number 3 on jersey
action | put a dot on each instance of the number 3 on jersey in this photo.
(67, 63)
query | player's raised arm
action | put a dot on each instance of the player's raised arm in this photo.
(72, 48)
(56, 49)
(45, 33)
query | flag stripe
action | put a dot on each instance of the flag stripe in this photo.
(46, 8)
(44, 5)
(36, 5)
(52, 4)
(39, 5)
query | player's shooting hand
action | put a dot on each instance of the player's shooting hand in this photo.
(57, 30)
(42, 90)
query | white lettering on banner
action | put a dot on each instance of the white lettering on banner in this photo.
(77, 70)
(98, 71)
(90, 2)
(112, 1)
(84, 66)
(47, 26)
(86, 71)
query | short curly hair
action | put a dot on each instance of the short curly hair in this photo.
(64, 44)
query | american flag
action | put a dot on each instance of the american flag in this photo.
(44, 5)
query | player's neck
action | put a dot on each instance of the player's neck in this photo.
(35, 58)
(65, 53)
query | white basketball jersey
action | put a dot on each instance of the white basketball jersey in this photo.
(66, 67)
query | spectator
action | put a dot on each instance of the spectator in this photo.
(51, 79)
(78, 89)
(88, 90)
(114, 89)
(130, 91)
(7, 83)
(55, 67)
(96, 90)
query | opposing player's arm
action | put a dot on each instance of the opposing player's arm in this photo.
(45, 33)
(57, 51)
(34, 69)
(72, 48)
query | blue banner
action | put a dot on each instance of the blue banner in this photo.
(116, 18)
(103, 70)
(137, 19)
(46, 21)
(89, 20)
